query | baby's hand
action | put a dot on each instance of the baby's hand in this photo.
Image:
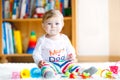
(41, 63)
(70, 57)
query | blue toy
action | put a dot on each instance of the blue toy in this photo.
(35, 72)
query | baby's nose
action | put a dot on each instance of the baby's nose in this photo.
(53, 25)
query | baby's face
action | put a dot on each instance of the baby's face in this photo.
(53, 25)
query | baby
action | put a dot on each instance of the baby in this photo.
(54, 53)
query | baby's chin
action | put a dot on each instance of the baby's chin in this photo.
(54, 34)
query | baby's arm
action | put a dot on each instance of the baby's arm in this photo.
(70, 50)
(37, 53)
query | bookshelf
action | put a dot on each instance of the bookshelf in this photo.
(31, 24)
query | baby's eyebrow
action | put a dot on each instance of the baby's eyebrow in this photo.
(48, 22)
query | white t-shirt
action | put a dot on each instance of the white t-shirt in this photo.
(53, 50)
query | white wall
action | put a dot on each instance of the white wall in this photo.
(93, 27)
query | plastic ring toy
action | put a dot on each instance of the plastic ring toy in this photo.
(106, 73)
(25, 73)
(35, 72)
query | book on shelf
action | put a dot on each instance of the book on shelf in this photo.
(51, 4)
(6, 9)
(28, 8)
(66, 3)
(15, 10)
(4, 39)
(57, 4)
(8, 46)
(18, 41)
(23, 9)
(3, 16)
(67, 7)
(11, 39)
(11, 7)
(62, 7)
(32, 8)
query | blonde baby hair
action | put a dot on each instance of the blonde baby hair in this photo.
(52, 13)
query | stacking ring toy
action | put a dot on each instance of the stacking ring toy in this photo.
(106, 73)
(35, 72)
(25, 73)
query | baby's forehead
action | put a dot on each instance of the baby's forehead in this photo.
(54, 18)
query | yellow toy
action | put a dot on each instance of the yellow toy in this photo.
(25, 73)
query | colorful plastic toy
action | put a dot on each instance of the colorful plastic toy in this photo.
(85, 75)
(67, 73)
(109, 74)
(35, 72)
(72, 76)
(32, 42)
(106, 73)
(114, 69)
(15, 75)
(25, 73)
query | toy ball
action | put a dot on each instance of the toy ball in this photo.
(35, 72)
(25, 73)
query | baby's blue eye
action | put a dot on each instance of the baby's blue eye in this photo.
(57, 23)
(49, 23)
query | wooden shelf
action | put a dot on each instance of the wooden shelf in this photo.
(30, 19)
(19, 55)
(1, 55)
(15, 58)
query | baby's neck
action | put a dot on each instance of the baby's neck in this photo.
(53, 37)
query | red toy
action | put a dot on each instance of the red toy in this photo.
(72, 75)
(39, 11)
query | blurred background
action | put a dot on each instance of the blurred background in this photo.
(98, 29)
